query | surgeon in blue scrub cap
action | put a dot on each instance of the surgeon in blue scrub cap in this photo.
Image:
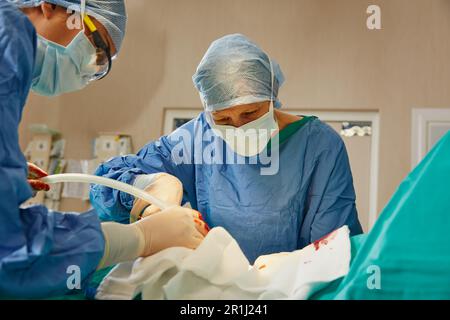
(309, 196)
(74, 51)
(41, 248)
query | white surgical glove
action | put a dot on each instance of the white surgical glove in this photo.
(160, 185)
(173, 227)
(122, 243)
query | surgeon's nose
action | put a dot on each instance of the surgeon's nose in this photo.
(238, 123)
(234, 121)
(239, 120)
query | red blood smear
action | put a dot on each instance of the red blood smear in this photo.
(36, 172)
(202, 224)
(39, 185)
(202, 219)
(323, 240)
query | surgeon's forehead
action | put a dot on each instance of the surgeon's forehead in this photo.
(240, 108)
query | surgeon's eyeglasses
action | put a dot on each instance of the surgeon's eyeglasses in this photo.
(103, 61)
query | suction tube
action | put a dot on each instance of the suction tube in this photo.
(86, 178)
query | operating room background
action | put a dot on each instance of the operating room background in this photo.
(330, 59)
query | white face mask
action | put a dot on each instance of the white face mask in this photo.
(60, 69)
(250, 139)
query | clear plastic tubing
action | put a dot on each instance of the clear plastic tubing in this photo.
(86, 178)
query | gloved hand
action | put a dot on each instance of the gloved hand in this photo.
(34, 174)
(173, 227)
(163, 186)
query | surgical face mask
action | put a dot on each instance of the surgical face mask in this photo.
(250, 139)
(60, 69)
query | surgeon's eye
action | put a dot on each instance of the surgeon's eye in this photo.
(102, 58)
(249, 113)
(222, 121)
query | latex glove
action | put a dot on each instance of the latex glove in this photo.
(34, 174)
(160, 185)
(173, 227)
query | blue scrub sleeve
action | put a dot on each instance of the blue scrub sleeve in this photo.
(54, 253)
(331, 198)
(155, 157)
(36, 245)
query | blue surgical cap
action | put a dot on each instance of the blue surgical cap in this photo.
(110, 13)
(235, 71)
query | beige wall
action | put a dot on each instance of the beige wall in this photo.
(330, 59)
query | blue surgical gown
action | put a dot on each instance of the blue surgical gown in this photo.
(37, 245)
(311, 195)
